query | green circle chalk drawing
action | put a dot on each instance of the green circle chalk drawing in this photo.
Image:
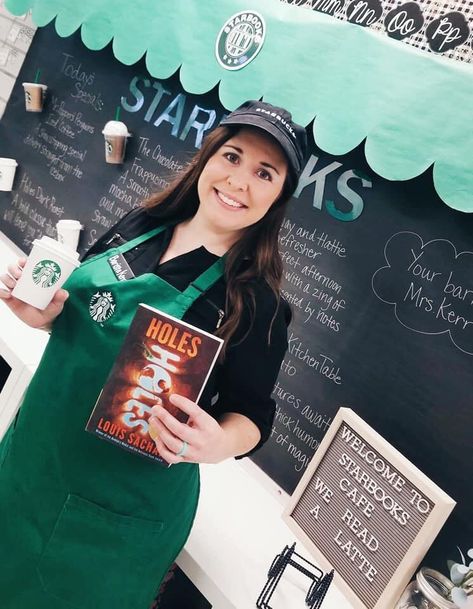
(240, 40)
(46, 273)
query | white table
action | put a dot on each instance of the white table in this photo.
(236, 535)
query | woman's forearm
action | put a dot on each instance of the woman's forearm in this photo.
(242, 435)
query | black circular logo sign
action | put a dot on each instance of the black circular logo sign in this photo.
(240, 40)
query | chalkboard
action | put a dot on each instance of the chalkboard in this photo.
(383, 325)
(62, 171)
(353, 245)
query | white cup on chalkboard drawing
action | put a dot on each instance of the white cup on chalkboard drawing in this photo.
(115, 134)
(48, 266)
(34, 96)
(68, 233)
(7, 173)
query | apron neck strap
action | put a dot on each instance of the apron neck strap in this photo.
(138, 240)
(205, 281)
(200, 285)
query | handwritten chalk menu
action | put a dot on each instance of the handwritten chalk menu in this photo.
(352, 245)
(380, 280)
(366, 512)
(62, 171)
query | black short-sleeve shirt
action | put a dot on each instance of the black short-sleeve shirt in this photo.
(243, 382)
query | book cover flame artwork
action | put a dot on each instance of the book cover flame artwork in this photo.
(160, 355)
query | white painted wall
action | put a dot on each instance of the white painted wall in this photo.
(16, 34)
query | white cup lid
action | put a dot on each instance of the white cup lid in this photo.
(34, 84)
(69, 224)
(116, 128)
(66, 252)
(9, 162)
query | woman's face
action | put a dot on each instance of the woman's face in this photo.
(241, 181)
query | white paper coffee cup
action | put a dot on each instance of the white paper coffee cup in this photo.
(68, 233)
(47, 268)
(7, 173)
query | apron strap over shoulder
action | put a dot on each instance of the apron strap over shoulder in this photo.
(129, 245)
(205, 281)
(200, 285)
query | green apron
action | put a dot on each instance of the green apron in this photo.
(83, 523)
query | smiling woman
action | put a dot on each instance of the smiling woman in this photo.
(240, 182)
(275, 148)
(85, 523)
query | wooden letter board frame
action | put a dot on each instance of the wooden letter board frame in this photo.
(428, 526)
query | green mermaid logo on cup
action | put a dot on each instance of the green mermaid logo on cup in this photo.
(46, 273)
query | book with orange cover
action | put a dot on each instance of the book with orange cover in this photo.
(160, 355)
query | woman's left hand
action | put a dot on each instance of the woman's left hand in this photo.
(204, 438)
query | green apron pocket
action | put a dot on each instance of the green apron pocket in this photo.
(97, 559)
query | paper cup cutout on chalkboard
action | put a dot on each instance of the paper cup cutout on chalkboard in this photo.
(35, 95)
(7, 173)
(68, 233)
(46, 270)
(115, 134)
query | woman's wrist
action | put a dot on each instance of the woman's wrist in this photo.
(242, 435)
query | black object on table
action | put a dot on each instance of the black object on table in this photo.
(288, 557)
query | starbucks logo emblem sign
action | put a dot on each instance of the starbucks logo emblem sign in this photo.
(102, 306)
(46, 273)
(240, 40)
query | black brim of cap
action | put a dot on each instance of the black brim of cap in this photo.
(282, 138)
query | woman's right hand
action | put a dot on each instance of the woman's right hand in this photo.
(33, 317)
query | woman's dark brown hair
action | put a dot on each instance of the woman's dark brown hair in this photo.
(255, 256)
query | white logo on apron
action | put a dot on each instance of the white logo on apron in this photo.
(102, 306)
